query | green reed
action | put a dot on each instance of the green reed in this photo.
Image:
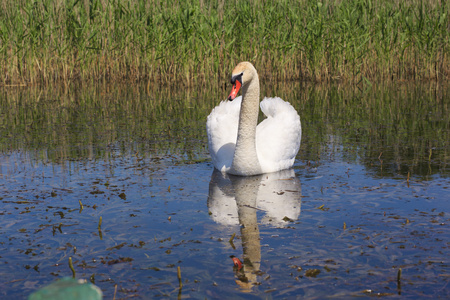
(173, 41)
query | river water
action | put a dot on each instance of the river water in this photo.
(119, 179)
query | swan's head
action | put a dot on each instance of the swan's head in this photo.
(242, 74)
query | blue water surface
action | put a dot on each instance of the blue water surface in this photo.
(340, 223)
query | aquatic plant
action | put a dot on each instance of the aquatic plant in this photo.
(175, 41)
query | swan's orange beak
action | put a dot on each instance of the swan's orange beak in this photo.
(236, 86)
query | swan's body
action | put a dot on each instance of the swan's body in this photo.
(241, 147)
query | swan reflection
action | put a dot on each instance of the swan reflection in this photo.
(277, 194)
(235, 200)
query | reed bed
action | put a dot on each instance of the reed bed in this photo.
(174, 41)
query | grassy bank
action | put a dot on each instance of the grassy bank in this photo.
(170, 41)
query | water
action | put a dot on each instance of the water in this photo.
(367, 197)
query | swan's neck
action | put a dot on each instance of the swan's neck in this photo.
(245, 161)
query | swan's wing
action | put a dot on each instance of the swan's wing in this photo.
(278, 137)
(221, 127)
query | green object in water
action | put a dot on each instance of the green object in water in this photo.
(68, 289)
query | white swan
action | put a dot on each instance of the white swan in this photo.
(241, 147)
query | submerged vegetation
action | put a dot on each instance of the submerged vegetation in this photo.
(171, 41)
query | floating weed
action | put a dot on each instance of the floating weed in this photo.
(231, 240)
(71, 267)
(287, 219)
(312, 272)
(115, 292)
(100, 233)
(323, 208)
(119, 260)
(117, 247)
(179, 277)
(57, 227)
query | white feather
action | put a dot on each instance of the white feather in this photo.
(222, 127)
(270, 148)
(277, 137)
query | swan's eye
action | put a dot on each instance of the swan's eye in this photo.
(237, 77)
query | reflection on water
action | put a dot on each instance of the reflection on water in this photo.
(277, 195)
(236, 200)
(392, 130)
(374, 168)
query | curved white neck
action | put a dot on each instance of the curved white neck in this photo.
(245, 161)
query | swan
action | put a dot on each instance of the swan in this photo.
(237, 144)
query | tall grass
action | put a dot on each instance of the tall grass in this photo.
(171, 41)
